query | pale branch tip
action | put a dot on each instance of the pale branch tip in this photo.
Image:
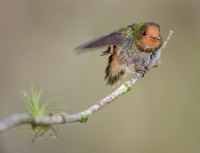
(49, 120)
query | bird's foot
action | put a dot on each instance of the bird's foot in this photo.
(143, 72)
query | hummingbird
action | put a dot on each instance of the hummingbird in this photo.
(130, 48)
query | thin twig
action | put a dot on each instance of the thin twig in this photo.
(22, 119)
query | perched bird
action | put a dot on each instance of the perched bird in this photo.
(130, 49)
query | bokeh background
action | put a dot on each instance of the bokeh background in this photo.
(160, 115)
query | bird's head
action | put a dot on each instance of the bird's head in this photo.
(147, 36)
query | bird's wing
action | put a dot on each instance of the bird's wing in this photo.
(106, 40)
(113, 38)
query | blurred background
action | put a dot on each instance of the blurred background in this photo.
(160, 115)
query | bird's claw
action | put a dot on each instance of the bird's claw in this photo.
(143, 72)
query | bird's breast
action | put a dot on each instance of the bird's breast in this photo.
(137, 59)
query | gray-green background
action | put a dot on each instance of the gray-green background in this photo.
(160, 115)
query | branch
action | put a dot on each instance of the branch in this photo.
(22, 119)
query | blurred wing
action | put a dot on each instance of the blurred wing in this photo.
(109, 39)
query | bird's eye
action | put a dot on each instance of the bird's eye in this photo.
(144, 33)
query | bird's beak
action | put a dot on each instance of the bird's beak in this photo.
(158, 38)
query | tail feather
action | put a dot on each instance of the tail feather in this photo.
(113, 70)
